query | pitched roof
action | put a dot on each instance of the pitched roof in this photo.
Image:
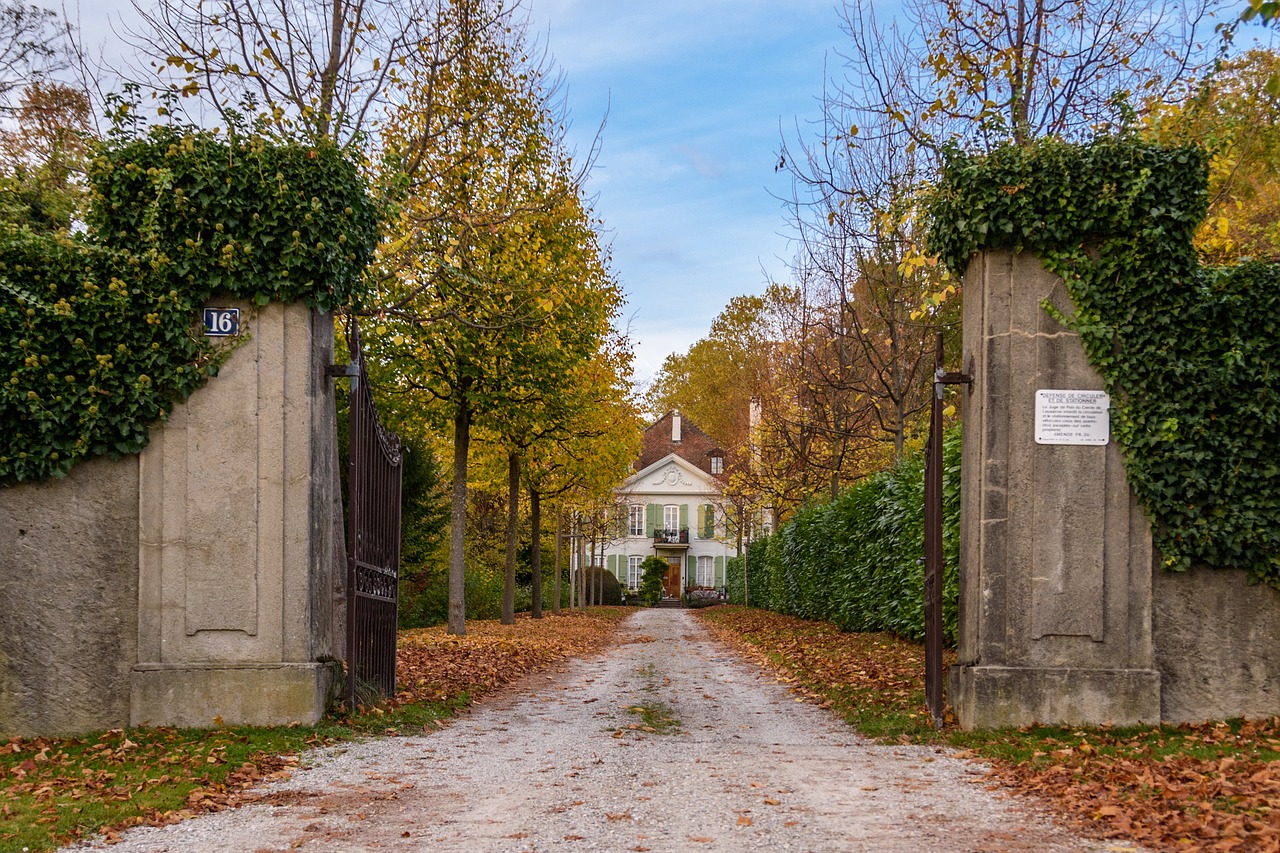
(675, 434)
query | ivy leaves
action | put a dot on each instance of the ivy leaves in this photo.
(92, 350)
(244, 216)
(1188, 353)
(98, 332)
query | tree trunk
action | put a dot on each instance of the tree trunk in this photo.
(458, 520)
(555, 604)
(535, 560)
(513, 533)
(582, 564)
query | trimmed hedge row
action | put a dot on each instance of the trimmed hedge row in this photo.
(858, 562)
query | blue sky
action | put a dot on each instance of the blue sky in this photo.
(696, 92)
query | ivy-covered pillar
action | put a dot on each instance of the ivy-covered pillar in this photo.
(1056, 555)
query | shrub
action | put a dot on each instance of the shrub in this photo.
(857, 561)
(654, 569)
(610, 592)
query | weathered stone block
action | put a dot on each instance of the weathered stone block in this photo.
(1055, 556)
(989, 697)
(1217, 641)
(196, 695)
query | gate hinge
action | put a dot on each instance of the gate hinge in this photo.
(953, 377)
(338, 370)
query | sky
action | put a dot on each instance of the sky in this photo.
(694, 95)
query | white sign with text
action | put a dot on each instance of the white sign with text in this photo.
(1073, 417)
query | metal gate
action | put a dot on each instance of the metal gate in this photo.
(933, 567)
(373, 540)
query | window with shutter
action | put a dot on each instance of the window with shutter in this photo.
(633, 572)
(635, 520)
(705, 576)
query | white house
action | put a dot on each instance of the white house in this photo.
(675, 510)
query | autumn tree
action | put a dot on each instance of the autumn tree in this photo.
(714, 381)
(545, 406)
(30, 47)
(1235, 114)
(591, 449)
(43, 157)
(465, 320)
(324, 67)
(987, 73)
(873, 301)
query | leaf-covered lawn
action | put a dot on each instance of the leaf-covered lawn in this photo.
(432, 666)
(1214, 786)
(55, 790)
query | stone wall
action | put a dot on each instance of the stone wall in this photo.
(199, 581)
(1065, 613)
(69, 600)
(1217, 642)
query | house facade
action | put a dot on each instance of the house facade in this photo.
(674, 509)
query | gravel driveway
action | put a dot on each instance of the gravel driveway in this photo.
(667, 743)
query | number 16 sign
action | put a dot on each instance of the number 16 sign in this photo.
(221, 322)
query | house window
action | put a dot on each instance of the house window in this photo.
(706, 572)
(636, 520)
(671, 517)
(633, 572)
(717, 464)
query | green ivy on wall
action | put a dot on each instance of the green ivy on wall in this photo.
(1189, 354)
(99, 332)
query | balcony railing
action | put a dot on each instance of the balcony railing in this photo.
(671, 537)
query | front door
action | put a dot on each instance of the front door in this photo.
(671, 580)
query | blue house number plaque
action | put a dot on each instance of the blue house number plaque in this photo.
(221, 322)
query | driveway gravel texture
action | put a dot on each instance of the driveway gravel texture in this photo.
(667, 742)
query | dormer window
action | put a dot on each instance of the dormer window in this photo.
(717, 462)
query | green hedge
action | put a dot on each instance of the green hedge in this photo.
(857, 562)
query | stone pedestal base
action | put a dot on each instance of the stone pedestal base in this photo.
(196, 695)
(988, 697)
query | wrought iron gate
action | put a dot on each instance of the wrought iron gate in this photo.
(373, 539)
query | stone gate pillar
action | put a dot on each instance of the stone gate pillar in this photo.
(236, 537)
(1056, 555)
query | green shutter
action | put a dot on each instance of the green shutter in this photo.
(702, 521)
(691, 565)
(684, 516)
(652, 512)
(707, 521)
(719, 581)
(613, 564)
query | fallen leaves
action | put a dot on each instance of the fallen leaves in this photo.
(432, 666)
(1149, 786)
(1210, 787)
(60, 789)
(57, 790)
